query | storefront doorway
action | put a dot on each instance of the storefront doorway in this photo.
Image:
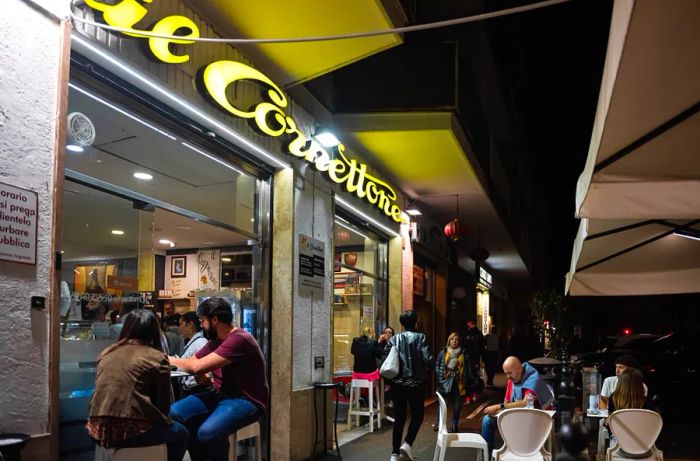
(150, 211)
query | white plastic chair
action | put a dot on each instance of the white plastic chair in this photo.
(524, 432)
(459, 440)
(152, 453)
(374, 410)
(636, 432)
(251, 431)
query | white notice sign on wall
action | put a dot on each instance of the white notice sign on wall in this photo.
(19, 209)
(312, 263)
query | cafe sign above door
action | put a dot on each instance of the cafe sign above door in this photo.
(267, 116)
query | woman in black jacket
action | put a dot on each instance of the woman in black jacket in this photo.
(365, 351)
(408, 387)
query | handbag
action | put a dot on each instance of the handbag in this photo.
(391, 366)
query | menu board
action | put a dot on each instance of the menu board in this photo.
(312, 264)
(19, 210)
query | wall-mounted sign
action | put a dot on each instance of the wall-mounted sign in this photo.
(312, 265)
(268, 116)
(19, 215)
(209, 266)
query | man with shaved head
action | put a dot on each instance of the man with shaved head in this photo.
(523, 380)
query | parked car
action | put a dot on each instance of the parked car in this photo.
(613, 347)
(671, 368)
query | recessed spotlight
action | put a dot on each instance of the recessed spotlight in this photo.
(226, 260)
(144, 176)
(117, 232)
(166, 242)
(252, 219)
(226, 274)
(74, 148)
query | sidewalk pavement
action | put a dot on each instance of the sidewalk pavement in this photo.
(678, 441)
(376, 446)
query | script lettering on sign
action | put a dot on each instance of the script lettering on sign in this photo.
(267, 116)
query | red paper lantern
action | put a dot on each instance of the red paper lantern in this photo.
(455, 230)
(342, 235)
(350, 259)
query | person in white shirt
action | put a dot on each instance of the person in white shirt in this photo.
(622, 363)
(191, 331)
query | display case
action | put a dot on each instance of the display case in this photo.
(78, 366)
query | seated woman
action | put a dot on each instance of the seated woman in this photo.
(366, 351)
(628, 394)
(133, 393)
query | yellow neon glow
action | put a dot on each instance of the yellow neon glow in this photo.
(160, 47)
(268, 115)
(219, 75)
(270, 119)
(123, 14)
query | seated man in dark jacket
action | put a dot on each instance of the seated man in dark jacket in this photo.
(408, 387)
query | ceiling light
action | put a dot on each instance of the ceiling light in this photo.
(687, 233)
(183, 227)
(74, 148)
(117, 232)
(144, 176)
(209, 243)
(326, 139)
(166, 242)
(226, 260)
(226, 274)
(413, 211)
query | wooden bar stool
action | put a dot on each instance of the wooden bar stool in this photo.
(248, 432)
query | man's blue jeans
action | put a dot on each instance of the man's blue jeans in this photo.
(211, 417)
(174, 435)
(488, 431)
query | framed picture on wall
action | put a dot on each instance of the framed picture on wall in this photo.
(178, 266)
(418, 280)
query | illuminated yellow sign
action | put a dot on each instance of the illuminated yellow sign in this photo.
(268, 116)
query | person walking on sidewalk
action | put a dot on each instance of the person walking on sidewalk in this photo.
(491, 354)
(452, 374)
(408, 387)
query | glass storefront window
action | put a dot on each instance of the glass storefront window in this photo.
(152, 216)
(134, 153)
(360, 289)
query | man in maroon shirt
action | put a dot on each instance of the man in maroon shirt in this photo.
(240, 392)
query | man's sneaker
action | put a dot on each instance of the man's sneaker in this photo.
(467, 400)
(394, 457)
(406, 451)
(474, 397)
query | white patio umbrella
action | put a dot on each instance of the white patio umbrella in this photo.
(643, 162)
(616, 257)
(644, 156)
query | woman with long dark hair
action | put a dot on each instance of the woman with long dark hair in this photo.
(133, 394)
